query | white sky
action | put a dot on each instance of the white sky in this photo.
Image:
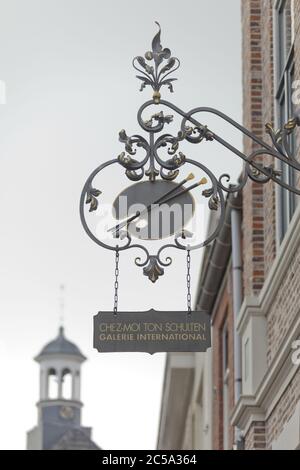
(70, 89)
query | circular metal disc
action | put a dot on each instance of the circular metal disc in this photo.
(161, 221)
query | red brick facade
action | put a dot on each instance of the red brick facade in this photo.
(222, 316)
(259, 215)
(253, 210)
(260, 236)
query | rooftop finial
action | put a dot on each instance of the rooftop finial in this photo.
(156, 66)
(61, 307)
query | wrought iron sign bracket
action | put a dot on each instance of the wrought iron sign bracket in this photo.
(155, 70)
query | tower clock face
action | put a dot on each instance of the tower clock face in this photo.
(66, 412)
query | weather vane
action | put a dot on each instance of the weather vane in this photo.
(155, 162)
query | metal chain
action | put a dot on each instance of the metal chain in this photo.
(188, 281)
(116, 282)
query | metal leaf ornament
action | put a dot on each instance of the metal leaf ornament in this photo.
(156, 76)
(153, 270)
(159, 54)
(213, 203)
(91, 198)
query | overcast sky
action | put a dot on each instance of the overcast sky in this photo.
(70, 89)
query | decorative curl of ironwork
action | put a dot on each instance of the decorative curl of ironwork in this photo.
(168, 166)
(125, 158)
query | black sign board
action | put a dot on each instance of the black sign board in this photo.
(152, 332)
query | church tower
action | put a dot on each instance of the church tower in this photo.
(59, 407)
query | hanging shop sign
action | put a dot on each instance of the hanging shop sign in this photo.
(152, 332)
(168, 185)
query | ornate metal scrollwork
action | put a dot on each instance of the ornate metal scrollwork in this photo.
(155, 69)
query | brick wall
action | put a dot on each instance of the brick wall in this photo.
(283, 411)
(253, 210)
(284, 309)
(222, 314)
(259, 215)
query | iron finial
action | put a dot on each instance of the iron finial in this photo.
(156, 74)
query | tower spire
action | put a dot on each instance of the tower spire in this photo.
(61, 307)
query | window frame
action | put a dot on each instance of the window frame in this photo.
(225, 385)
(284, 67)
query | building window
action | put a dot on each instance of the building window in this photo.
(284, 77)
(66, 379)
(225, 375)
(52, 384)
